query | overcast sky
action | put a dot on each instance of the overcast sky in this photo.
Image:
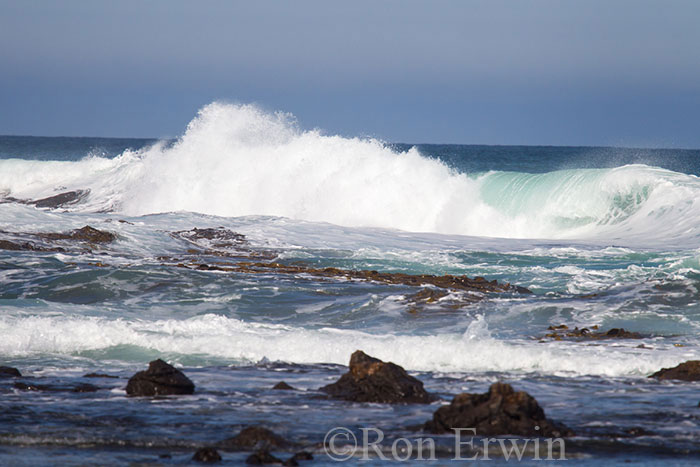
(493, 72)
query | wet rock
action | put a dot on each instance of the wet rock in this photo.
(372, 380)
(207, 455)
(61, 199)
(261, 457)
(428, 295)
(563, 331)
(254, 437)
(55, 388)
(99, 375)
(161, 379)
(686, 371)
(84, 234)
(478, 284)
(9, 372)
(283, 386)
(500, 411)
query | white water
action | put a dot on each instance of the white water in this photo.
(242, 342)
(237, 160)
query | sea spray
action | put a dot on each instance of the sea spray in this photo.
(238, 160)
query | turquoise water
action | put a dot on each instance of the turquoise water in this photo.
(601, 236)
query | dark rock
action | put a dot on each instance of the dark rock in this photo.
(207, 455)
(500, 411)
(255, 437)
(563, 332)
(30, 387)
(161, 379)
(372, 380)
(282, 386)
(686, 371)
(262, 457)
(69, 197)
(9, 372)
(84, 234)
(446, 282)
(291, 462)
(99, 375)
(54, 388)
(620, 333)
(85, 388)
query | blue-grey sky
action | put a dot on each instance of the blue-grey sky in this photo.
(577, 72)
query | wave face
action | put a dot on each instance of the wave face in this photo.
(237, 160)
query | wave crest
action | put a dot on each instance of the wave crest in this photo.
(237, 160)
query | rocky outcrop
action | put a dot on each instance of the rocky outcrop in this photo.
(686, 371)
(54, 241)
(372, 380)
(500, 411)
(206, 455)
(161, 379)
(84, 234)
(9, 372)
(562, 331)
(254, 437)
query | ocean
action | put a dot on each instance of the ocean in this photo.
(603, 238)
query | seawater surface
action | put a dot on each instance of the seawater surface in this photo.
(602, 237)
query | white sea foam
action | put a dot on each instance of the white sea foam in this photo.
(237, 160)
(241, 342)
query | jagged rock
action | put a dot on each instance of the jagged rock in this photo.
(262, 457)
(161, 379)
(282, 386)
(255, 437)
(9, 372)
(372, 380)
(686, 371)
(207, 455)
(500, 411)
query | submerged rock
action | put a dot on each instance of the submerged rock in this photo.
(254, 437)
(161, 379)
(9, 372)
(283, 386)
(207, 455)
(372, 380)
(686, 371)
(261, 457)
(99, 375)
(500, 411)
(55, 388)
